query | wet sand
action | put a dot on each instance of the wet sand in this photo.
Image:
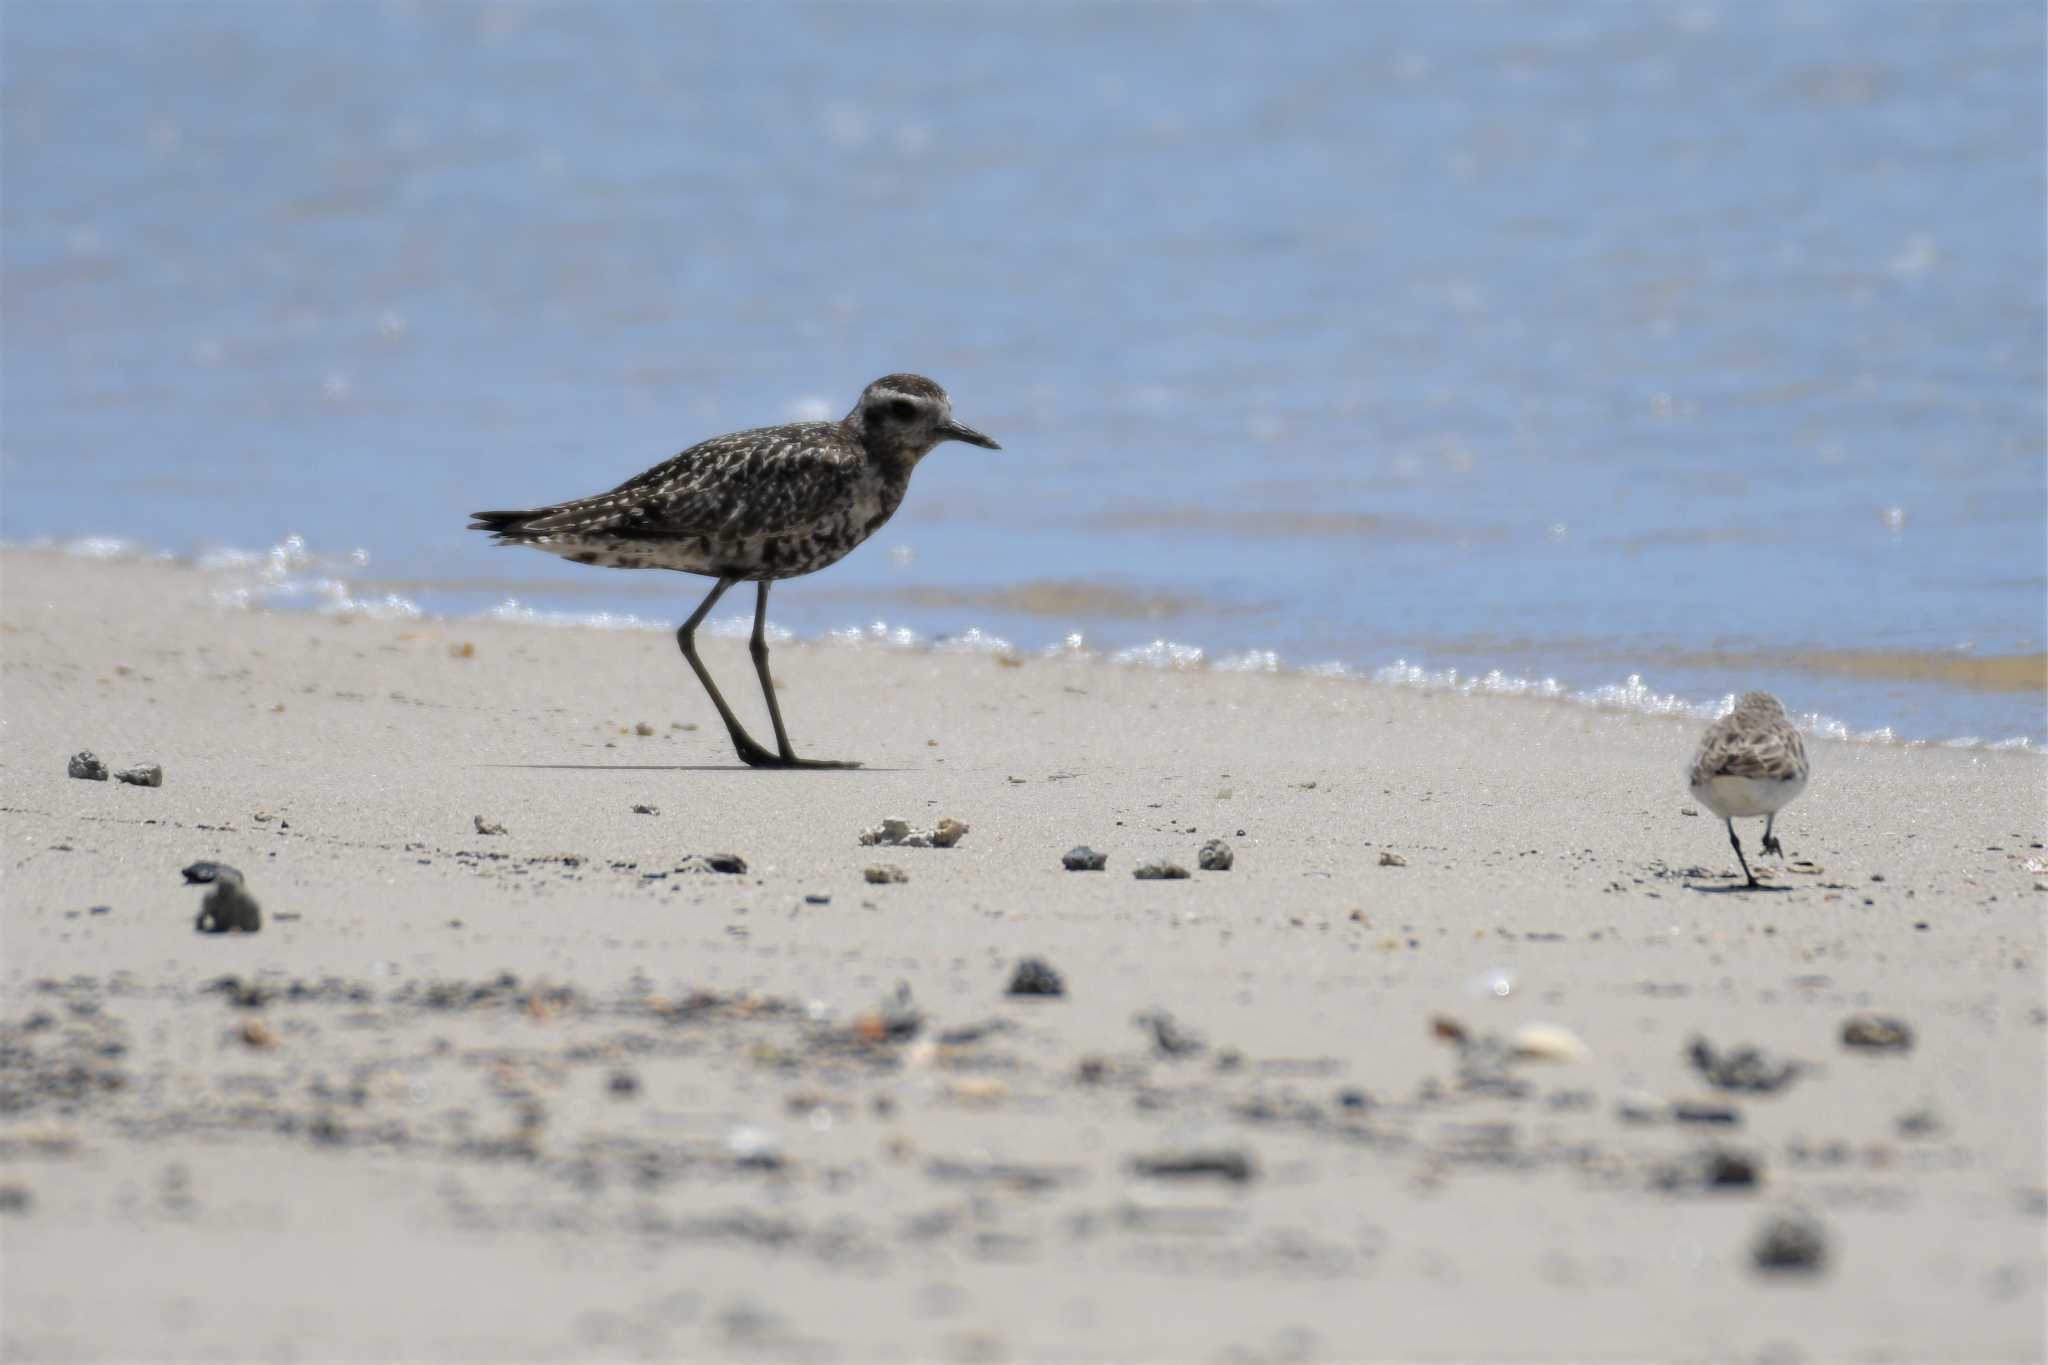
(560, 1093)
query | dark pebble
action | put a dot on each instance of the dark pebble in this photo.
(1035, 976)
(1878, 1033)
(1353, 1099)
(1791, 1243)
(85, 765)
(1693, 1111)
(1215, 856)
(14, 1196)
(1084, 859)
(1160, 871)
(1227, 1163)
(1167, 1035)
(1743, 1068)
(624, 1084)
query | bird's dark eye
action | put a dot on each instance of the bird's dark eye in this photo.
(902, 409)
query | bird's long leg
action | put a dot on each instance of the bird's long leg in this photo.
(1771, 844)
(752, 754)
(759, 648)
(1738, 855)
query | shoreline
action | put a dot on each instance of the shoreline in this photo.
(290, 578)
(665, 1110)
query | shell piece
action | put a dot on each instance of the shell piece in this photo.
(142, 775)
(881, 874)
(1548, 1043)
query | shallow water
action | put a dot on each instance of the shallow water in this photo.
(1700, 344)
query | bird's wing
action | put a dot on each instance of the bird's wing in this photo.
(748, 483)
(1775, 755)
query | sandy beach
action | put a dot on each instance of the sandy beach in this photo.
(565, 1092)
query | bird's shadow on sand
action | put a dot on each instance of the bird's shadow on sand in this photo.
(1736, 888)
(674, 768)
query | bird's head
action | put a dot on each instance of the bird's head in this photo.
(902, 416)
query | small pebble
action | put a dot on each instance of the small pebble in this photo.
(643, 729)
(1159, 870)
(1035, 976)
(141, 775)
(1392, 860)
(1790, 1243)
(624, 1084)
(1082, 858)
(881, 874)
(484, 826)
(1877, 1032)
(1215, 856)
(1228, 1163)
(84, 765)
(15, 1197)
(644, 809)
(1743, 1068)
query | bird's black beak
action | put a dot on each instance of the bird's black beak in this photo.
(958, 431)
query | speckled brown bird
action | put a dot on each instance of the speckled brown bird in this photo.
(753, 507)
(1750, 762)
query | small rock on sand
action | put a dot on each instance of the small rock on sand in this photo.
(1168, 1035)
(1793, 1243)
(644, 809)
(1715, 1168)
(897, 833)
(1877, 1033)
(1215, 856)
(1082, 858)
(881, 874)
(1390, 859)
(85, 765)
(1159, 870)
(484, 826)
(1035, 976)
(731, 864)
(141, 775)
(1227, 1163)
(227, 908)
(1740, 1068)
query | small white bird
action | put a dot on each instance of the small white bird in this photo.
(1751, 762)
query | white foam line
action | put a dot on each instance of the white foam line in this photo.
(288, 575)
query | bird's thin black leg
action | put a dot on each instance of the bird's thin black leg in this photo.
(1771, 844)
(752, 754)
(759, 648)
(1738, 855)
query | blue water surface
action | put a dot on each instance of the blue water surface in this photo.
(1694, 341)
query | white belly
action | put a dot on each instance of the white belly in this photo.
(1736, 798)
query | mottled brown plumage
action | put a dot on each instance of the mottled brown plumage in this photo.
(754, 506)
(1750, 762)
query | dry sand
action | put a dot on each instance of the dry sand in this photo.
(540, 1094)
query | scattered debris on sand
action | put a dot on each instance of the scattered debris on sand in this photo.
(1168, 1035)
(141, 775)
(1877, 1033)
(882, 874)
(1215, 856)
(85, 765)
(1740, 1068)
(1712, 1168)
(1082, 858)
(228, 908)
(895, 833)
(1159, 870)
(1229, 1163)
(731, 864)
(484, 826)
(1790, 1243)
(1035, 976)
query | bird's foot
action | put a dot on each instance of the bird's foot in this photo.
(754, 756)
(1771, 845)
